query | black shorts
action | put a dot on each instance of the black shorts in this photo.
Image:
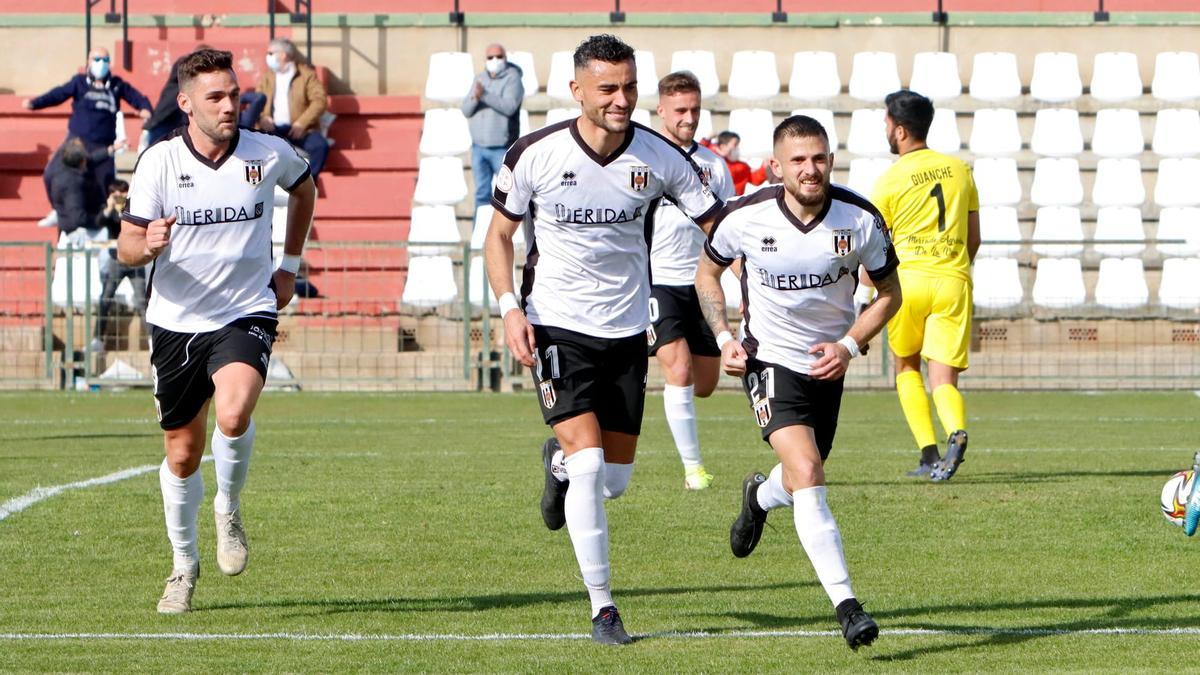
(674, 314)
(576, 373)
(782, 398)
(182, 364)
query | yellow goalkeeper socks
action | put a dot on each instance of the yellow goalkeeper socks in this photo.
(915, 404)
(951, 409)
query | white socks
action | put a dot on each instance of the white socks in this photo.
(822, 542)
(232, 458)
(181, 504)
(616, 479)
(680, 407)
(587, 524)
(771, 494)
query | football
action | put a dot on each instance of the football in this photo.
(1175, 495)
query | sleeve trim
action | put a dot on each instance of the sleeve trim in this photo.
(717, 257)
(712, 210)
(298, 181)
(505, 212)
(136, 220)
(888, 267)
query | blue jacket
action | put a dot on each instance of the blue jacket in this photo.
(94, 110)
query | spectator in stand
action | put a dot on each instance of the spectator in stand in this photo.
(167, 116)
(112, 272)
(96, 97)
(726, 145)
(72, 194)
(289, 103)
(493, 110)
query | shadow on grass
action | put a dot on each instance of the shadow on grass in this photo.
(479, 603)
(1016, 477)
(79, 437)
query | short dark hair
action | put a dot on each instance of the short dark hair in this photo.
(118, 185)
(912, 111)
(726, 136)
(203, 61)
(800, 126)
(679, 82)
(74, 153)
(603, 47)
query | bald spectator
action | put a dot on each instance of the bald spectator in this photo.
(289, 103)
(493, 110)
(96, 97)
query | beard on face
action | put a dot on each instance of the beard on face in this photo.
(597, 117)
(215, 132)
(893, 146)
(810, 199)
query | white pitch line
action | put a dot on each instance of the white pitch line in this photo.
(512, 637)
(19, 504)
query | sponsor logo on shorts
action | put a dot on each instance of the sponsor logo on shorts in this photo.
(549, 397)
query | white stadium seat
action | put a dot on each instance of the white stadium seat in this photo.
(556, 115)
(1120, 223)
(733, 289)
(642, 117)
(1176, 184)
(1177, 133)
(1118, 183)
(1176, 76)
(647, 73)
(1179, 223)
(433, 231)
(868, 133)
(1118, 133)
(994, 132)
(529, 78)
(445, 132)
(1056, 182)
(524, 123)
(756, 128)
(994, 76)
(1056, 133)
(704, 128)
(814, 76)
(997, 283)
(478, 286)
(1115, 77)
(562, 71)
(999, 232)
(1061, 224)
(997, 182)
(873, 76)
(864, 172)
(1056, 77)
(430, 281)
(440, 181)
(483, 219)
(702, 64)
(825, 117)
(1179, 286)
(1059, 283)
(754, 76)
(450, 76)
(85, 279)
(1122, 284)
(935, 75)
(943, 132)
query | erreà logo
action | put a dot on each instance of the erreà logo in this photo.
(568, 179)
(768, 244)
(185, 181)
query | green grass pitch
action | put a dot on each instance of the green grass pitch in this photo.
(416, 515)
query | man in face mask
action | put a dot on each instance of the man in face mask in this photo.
(493, 110)
(95, 96)
(289, 103)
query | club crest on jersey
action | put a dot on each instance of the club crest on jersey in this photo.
(639, 177)
(705, 174)
(762, 412)
(254, 171)
(549, 398)
(843, 242)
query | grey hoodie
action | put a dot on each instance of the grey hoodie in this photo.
(495, 119)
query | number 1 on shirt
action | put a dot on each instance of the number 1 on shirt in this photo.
(936, 193)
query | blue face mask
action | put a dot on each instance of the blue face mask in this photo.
(98, 69)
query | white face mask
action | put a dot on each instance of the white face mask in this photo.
(272, 62)
(98, 69)
(734, 155)
(495, 65)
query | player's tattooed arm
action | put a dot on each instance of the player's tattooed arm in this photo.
(711, 295)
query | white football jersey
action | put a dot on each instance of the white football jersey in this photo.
(587, 222)
(677, 240)
(798, 280)
(218, 265)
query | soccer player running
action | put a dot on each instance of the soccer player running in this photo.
(679, 336)
(930, 202)
(800, 244)
(199, 212)
(588, 188)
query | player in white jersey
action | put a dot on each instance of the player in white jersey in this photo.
(199, 212)
(800, 245)
(678, 335)
(586, 189)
